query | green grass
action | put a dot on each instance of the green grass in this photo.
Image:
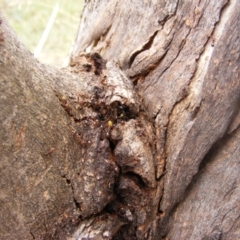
(29, 18)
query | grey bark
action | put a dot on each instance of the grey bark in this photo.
(141, 143)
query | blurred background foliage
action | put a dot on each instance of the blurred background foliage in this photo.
(29, 19)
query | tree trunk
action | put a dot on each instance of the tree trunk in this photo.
(137, 139)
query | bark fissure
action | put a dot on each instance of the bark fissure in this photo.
(144, 48)
(183, 42)
(69, 182)
(33, 237)
(199, 61)
(100, 44)
(196, 109)
(183, 96)
(145, 71)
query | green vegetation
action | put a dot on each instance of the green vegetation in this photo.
(29, 19)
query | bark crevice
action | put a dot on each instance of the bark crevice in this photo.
(145, 47)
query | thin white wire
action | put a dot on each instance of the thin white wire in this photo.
(46, 31)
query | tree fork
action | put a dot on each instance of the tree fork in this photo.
(81, 141)
(88, 155)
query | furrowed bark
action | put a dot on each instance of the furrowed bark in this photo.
(137, 139)
(183, 59)
(77, 151)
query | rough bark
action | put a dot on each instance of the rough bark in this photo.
(74, 141)
(141, 143)
(183, 58)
